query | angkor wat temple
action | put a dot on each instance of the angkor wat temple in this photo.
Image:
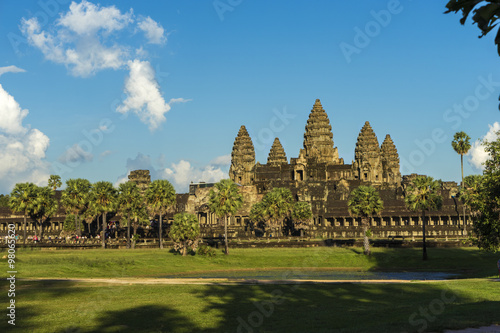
(320, 177)
(317, 176)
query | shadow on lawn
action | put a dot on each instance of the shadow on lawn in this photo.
(344, 308)
(146, 318)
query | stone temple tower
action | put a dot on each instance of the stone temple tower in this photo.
(367, 164)
(242, 158)
(277, 154)
(390, 162)
(318, 137)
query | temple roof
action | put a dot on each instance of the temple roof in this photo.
(389, 151)
(277, 154)
(243, 150)
(367, 144)
(318, 137)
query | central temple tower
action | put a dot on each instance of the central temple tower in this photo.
(318, 137)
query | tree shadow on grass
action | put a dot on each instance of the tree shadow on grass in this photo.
(146, 318)
(343, 308)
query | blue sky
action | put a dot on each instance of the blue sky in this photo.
(96, 89)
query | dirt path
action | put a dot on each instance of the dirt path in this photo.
(220, 281)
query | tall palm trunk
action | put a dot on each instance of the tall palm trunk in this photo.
(128, 230)
(463, 186)
(24, 230)
(225, 236)
(366, 241)
(160, 232)
(424, 246)
(103, 232)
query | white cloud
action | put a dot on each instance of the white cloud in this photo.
(75, 155)
(222, 160)
(10, 69)
(82, 40)
(183, 173)
(153, 31)
(86, 18)
(22, 149)
(143, 95)
(88, 38)
(11, 114)
(178, 100)
(180, 174)
(105, 153)
(477, 155)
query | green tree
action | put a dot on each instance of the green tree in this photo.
(75, 199)
(21, 200)
(160, 196)
(301, 216)
(422, 194)
(129, 202)
(484, 195)
(485, 16)
(4, 200)
(258, 215)
(69, 223)
(102, 199)
(185, 232)
(461, 144)
(278, 205)
(225, 200)
(364, 202)
(43, 207)
(54, 182)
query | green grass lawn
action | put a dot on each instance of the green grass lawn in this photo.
(468, 262)
(84, 307)
(44, 306)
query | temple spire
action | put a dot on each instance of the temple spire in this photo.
(390, 161)
(242, 158)
(367, 165)
(318, 136)
(277, 154)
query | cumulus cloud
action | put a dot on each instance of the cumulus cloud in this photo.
(82, 40)
(75, 155)
(222, 160)
(22, 149)
(86, 39)
(10, 69)
(477, 155)
(180, 174)
(183, 173)
(143, 95)
(153, 31)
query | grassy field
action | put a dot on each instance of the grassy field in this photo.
(468, 262)
(73, 307)
(44, 306)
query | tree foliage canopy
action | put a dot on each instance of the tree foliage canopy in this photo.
(422, 194)
(485, 14)
(225, 198)
(482, 195)
(185, 232)
(364, 201)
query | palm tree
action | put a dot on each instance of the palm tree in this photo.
(423, 194)
(301, 216)
(461, 144)
(75, 198)
(364, 202)
(160, 196)
(129, 201)
(102, 199)
(225, 200)
(54, 182)
(185, 232)
(43, 207)
(278, 204)
(21, 199)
